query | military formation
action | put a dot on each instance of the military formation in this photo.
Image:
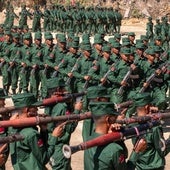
(37, 67)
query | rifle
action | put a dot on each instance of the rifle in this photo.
(11, 66)
(1, 64)
(108, 138)
(56, 71)
(125, 79)
(11, 138)
(107, 73)
(151, 77)
(74, 67)
(39, 120)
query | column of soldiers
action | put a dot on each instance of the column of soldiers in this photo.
(61, 19)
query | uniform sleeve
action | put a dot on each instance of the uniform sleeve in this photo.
(39, 150)
(131, 163)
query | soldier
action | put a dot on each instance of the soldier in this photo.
(6, 79)
(112, 155)
(24, 15)
(149, 28)
(26, 53)
(37, 63)
(3, 132)
(157, 27)
(36, 25)
(57, 160)
(153, 157)
(119, 18)
(13, 57)
(35, 150)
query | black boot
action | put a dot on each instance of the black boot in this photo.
(13, 91)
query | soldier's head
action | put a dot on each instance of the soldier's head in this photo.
(74, 47)
(125, 53)
(98, 42)
(48, 38)
(104, 115)
(16, 37)
(26, 104)
(140, 47)
(142, 102)
(8, 36)
(38, 38)
(158, 40)
(150, 55)
(106, 51)
(115, 47)
(86, 49)
(3, 96)
(55, 86)
(27, 39)
(61, 41)
(131, 36)
(25, 29)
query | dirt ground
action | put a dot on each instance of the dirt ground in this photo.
(137, 26)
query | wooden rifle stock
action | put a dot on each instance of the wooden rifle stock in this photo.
(108, 138)
(33, 121)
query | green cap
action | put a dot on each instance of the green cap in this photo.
(61, 38)
(115, 45)
(106, 48)
(38, 35)
(55, 82)
(117, 36)
(144, 37)
(7, 32)
(102, 108)
(24, 100)
(125, 41)
(150, 51)
(48, 36)
(16, 35)
(86, 47)
(26, 27)
(111, 40)
(139, 41)
(131, 34)
(76, 39)
(74, 44)
(85, 36)
(98, 39)
(158, 38)
(140, 46)
(158, 49)
(142, 99)
(97, 91)
(125, 51)
(27, 36)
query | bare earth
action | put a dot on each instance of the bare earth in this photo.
(137, 26)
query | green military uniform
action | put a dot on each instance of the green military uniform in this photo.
(4, 131)
(57, 160)
(5, 51)
(33, 152)
(37, 64)
(153, 157)
(26, 59)
(111, 156)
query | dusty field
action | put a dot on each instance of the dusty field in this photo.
(77, 159)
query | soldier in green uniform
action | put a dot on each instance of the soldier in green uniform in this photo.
(119, 18)
(24, 15)
(153, 157)
(57, 160)
(35, 150)
(157, 27)
(37, 63)
(13, 57)
(27, 55)
(5, 52)
(46, 72)
(110, 156)
(149, 28)
(3, 132)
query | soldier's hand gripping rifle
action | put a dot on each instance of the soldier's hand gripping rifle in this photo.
(152, 76)
(74, 68)
(11, 65)
(2, 63)
(107, 73)
(125, 79)
(108, 138)
(55, 73)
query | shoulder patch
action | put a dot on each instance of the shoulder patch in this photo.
(2, 130)
(40, 143)
(121, 158)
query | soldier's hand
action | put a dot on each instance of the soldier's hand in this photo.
(158, 71)
(140, 145)
(34, 66)
(56, 68)
(103, 80)
(87, 77)
(123, 83)
(145, 84)
(23, 64)
(133, 67)
(114, 127)
(58, 131)
(78, 105)
(46, 65)
(14, 116)
(70, 75)
(2, 60)
(2, 159)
